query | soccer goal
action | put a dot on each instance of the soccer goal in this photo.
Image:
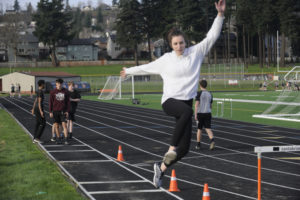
(117, 87)
(287, 105)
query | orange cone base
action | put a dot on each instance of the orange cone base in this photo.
(120, 154)
(173, 183)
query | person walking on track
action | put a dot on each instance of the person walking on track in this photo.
(38, 111)
(180, 71)
(203, 106)
(74, 99)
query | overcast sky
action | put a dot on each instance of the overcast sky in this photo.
(8, 4)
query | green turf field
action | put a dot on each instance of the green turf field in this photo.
(25, 172)
(240, 111)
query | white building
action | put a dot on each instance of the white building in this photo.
(26, 80)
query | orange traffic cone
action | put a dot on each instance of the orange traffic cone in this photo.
(206, 195)
(120, 154)
(173, 183)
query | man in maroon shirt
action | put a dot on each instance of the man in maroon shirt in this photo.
(59, 107)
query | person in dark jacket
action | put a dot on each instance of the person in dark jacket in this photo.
(38, 111)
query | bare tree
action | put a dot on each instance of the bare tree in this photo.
(10, 32)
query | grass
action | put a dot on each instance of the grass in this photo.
(25, 172)
(105, 70)
(241, 111)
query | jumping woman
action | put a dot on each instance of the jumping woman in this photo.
(180, 71)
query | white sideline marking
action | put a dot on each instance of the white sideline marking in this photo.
(57, 151)
(262, 102)
(124, 192)
(83, 161)
(105, 182)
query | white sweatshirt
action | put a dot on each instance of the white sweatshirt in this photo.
(181, 74)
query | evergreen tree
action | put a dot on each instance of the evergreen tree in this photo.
(52, 25)
(29, 8)
(88, 19)
(152, 19)
(99, 18)
(17, 6)
(114, 2)
(129, 25)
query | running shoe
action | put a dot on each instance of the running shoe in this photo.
(158, 175)
(53, 139)
(212, 145)
(70, 135)
(198, 146)
(66, 141)
(37, 141)
(58, 141)
(169, 157)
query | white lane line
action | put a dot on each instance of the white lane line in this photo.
(190, 165)
(83, 161)
(112, 182)
(124, 191)
(236, 176)
(277, 171)
(214, 155)
(61, 145)
(61, 151)
(193, 183)
(159, 116)
(126, 168)
(138, 119)
(79, 185)
(225, 160)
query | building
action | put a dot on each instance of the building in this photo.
(78, 50)
(27, 49)
(28, 79)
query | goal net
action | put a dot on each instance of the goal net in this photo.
(117, 88)
(287, 105)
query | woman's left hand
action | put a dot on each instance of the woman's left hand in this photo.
(221, 6)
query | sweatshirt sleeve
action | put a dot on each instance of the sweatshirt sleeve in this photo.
(213, 34)
(150, 68)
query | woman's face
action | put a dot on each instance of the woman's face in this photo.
(178, 44)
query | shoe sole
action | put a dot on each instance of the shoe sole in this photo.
(212, 146)
(169, 157)
(154, 169)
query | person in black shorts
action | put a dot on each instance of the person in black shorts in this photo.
(74, 99)
(38, 111)
(59, 107)
(203, 106)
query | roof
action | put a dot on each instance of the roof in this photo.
(50, 74)
(29, 38)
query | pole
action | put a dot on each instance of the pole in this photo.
(120, 87)
(277, 40)
(259, 176)
(132, 81)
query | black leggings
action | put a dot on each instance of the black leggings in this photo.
(183, 112)
(39, 125)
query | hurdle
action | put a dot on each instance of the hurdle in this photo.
(221, 102)
(269, 149)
